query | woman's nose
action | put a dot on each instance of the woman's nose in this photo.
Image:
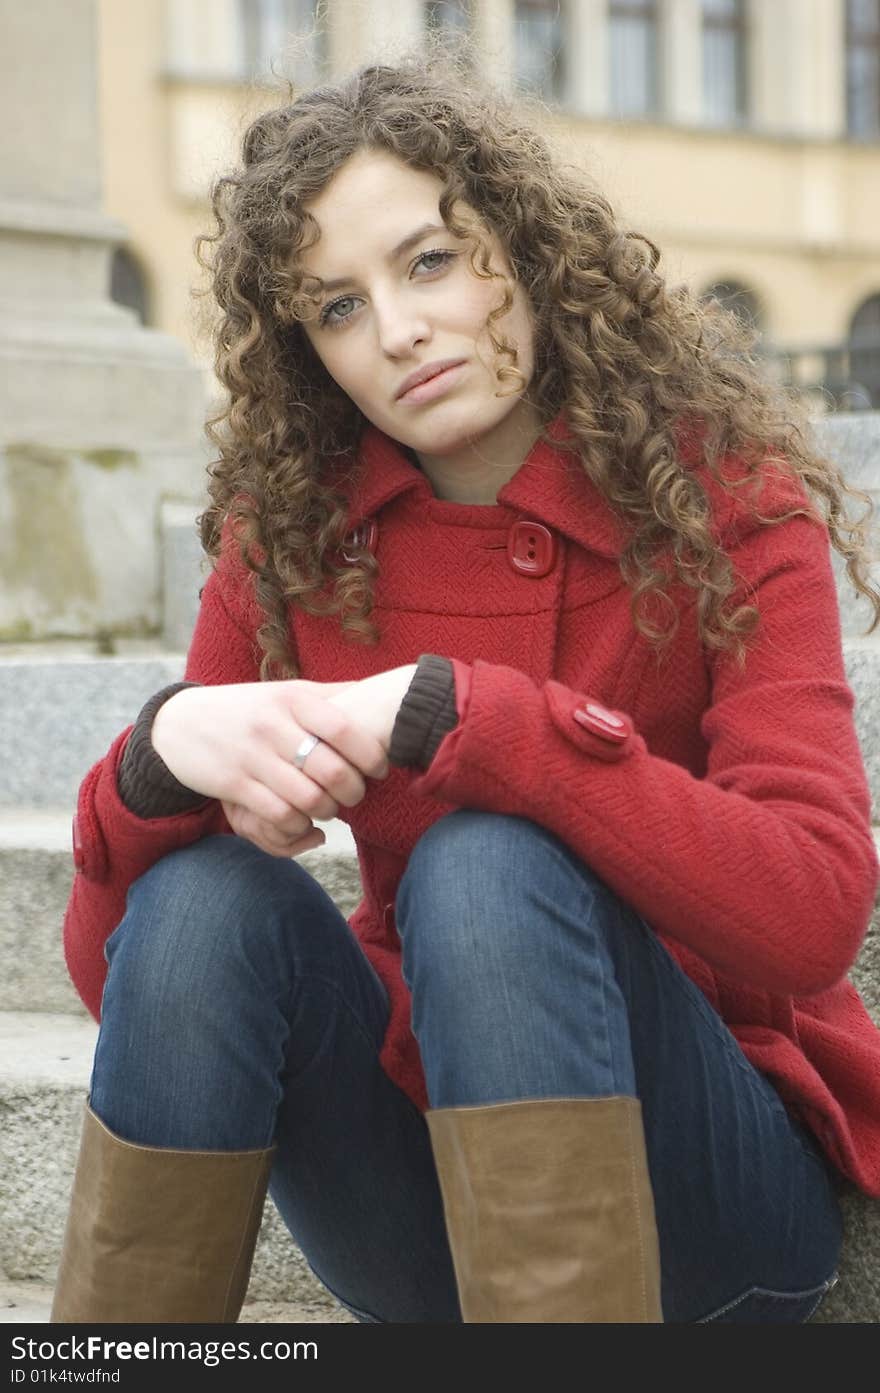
(400, 325)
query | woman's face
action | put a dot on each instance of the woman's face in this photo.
(398, 310)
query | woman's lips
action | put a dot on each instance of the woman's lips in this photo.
(434, 387)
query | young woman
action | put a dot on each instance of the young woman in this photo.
(526, 544)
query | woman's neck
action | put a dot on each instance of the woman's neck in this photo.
(476, 473)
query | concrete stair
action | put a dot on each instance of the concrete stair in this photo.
(63, 703)
(30, 1303)
(46, 1061)
(47, 1057)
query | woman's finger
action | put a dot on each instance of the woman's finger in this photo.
(267, 837)
(325, 781)
(246, 822)
(313, 712)
(290, 819)
(310, 842)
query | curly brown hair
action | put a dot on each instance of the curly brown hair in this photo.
(626, 357)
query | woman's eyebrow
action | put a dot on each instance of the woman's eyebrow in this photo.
(408, 241)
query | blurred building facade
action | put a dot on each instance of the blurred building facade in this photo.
(740, 135)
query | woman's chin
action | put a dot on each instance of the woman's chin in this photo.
(440, 438)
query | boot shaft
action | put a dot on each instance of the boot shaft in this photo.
(549, 1210)
(158, 1235)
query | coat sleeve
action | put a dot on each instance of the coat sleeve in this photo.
(766, 866)
(112, 845)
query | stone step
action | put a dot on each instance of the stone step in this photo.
(862, 666)
(30, 1303)
(44, 1082)
(43, 1087)
(63, 706)
(851, 440)
(856, 612)
(36, 871)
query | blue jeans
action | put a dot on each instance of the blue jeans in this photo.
(239, 1010)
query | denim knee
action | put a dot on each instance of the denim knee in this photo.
(469, 881)
(200, 921)
(227, 977)
(504, 937)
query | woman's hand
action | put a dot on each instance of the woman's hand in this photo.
(372, 703)
(375, 701)
(237, 742)
(271, 837)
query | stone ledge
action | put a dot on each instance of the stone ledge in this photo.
(31, 1303)
(36, 870)
(38, 694)
(43, 1088)
(42, 1092)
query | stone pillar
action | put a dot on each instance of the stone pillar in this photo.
(203, 36)
(798, 67)
(587, 58)
(779, 35)
(371, 31)
(681, 61)
(821, 92)
(407, 24)
(494, 41)
(99, 417)
(344, 40)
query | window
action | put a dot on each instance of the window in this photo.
(127, 284)
(452, 21)
(538, 48)
(864, 359)
(281, 36)
(448, 14)
(863, 68)
(736, 297)
(724, 62)
(634, 81)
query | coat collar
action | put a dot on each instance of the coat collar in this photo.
(550, 486)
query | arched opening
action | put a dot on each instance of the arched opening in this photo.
(864, 356)
(128, 284)
(737, 298)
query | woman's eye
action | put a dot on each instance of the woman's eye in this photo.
(327, 314)
(333, 321)
(444, 256)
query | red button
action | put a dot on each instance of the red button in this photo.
(531, 548)
(365, 534)
(79, 855)
(603, 722)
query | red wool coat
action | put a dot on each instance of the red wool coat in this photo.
(730, 809)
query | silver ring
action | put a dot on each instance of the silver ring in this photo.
(304, 750)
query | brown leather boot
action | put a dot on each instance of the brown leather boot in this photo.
(158, 1235)
(549, 1210)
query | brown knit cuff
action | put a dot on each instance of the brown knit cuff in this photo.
(146, 785)
(426, 714)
